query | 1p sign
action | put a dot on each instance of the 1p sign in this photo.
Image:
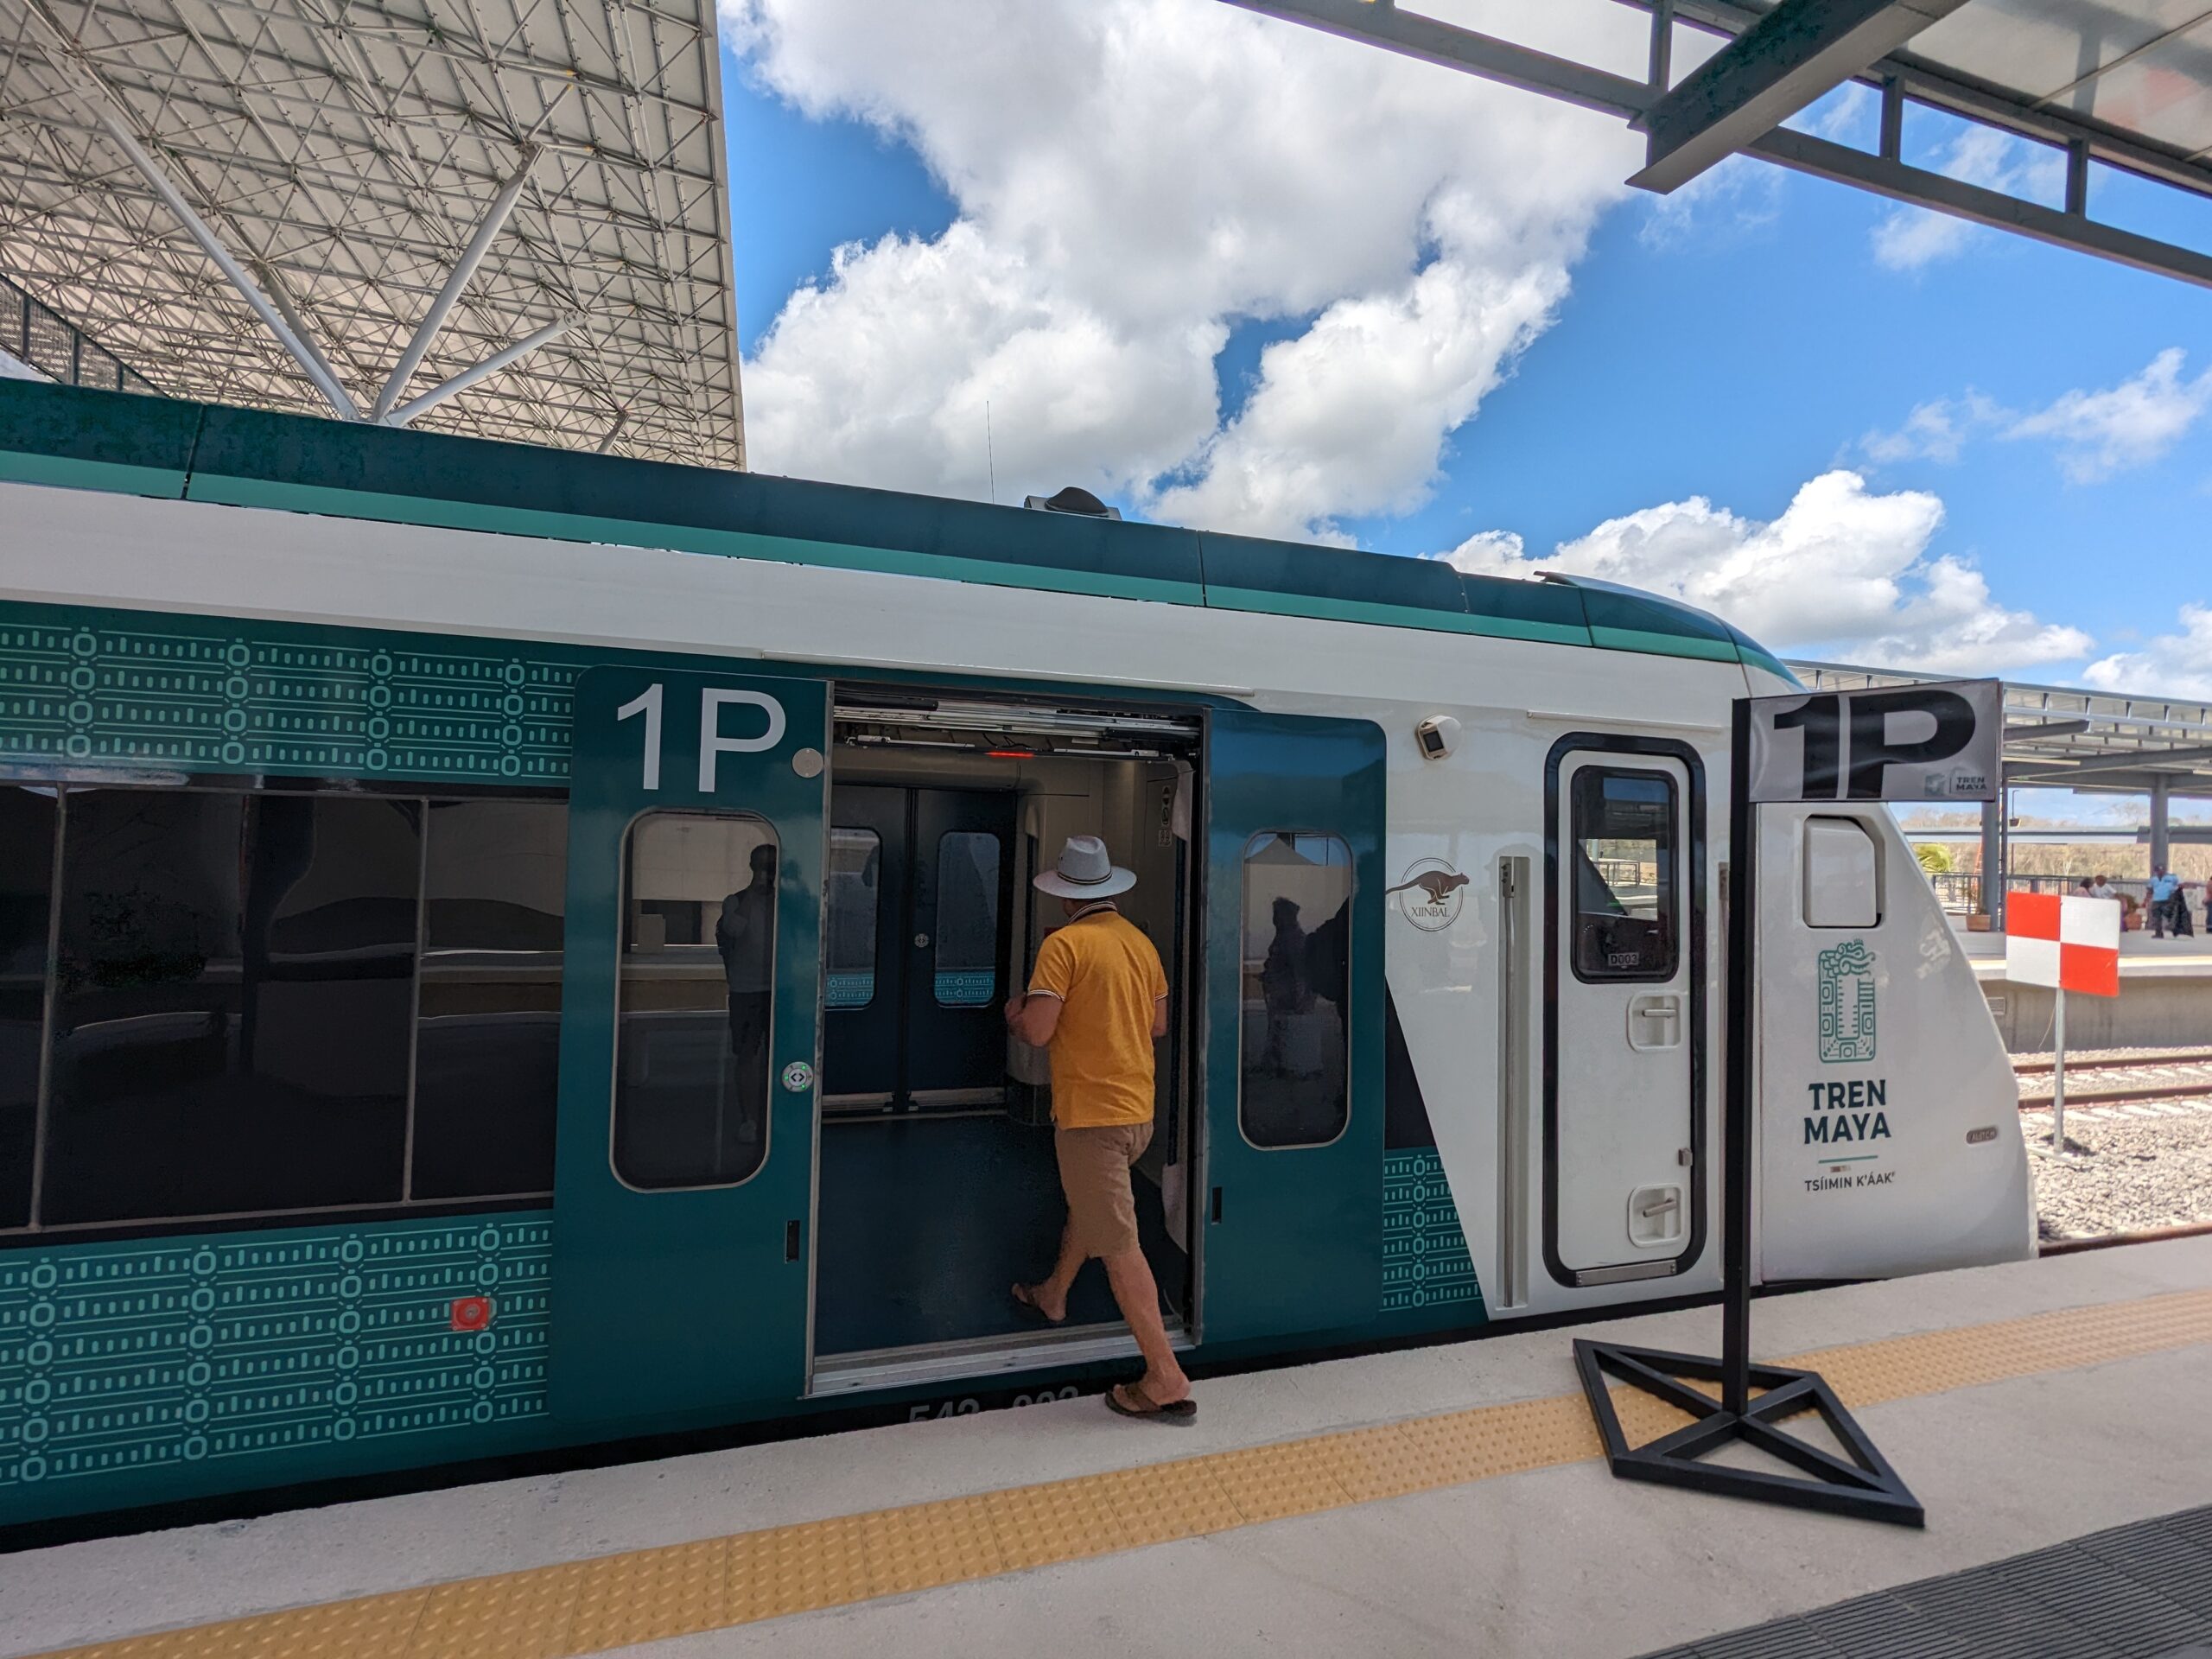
(1937, 741)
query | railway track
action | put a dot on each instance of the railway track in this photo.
(2118, 1079)
(2107, 1241)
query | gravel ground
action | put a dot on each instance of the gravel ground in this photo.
(2124, 1169)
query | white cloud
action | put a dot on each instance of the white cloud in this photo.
(1933, 431)
(1129, 180)
(1911, 237)
(2125, 426)
(2172, 664)
(1843, 573)
(2097, 433)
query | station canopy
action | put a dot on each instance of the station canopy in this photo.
(507, 218)
(2108, 86)
(2058, 737)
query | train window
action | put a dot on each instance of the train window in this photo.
(26, 895)
(233, 1004)
(1625, 888)
(855, 893)
(695, 998)
(487, 1031)
(1297, 927)
(967, 919)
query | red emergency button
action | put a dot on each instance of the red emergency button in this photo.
(471, 1312)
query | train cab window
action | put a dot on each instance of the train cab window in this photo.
(856, 895)
(26, 896)
(695, 997)
(1297, 927)
(967, 974)
(235, 993)
(488, 1035)
(1626, 901)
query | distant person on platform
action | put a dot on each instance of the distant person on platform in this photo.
(1098, 1000)
(2101, 887)
(2167, 901)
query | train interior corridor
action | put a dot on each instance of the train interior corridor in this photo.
(937, 1186)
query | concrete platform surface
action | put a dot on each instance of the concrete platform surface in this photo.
(2018, 1423)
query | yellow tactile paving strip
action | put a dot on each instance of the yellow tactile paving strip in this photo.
(581, 1607)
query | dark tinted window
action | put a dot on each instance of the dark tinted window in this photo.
(488, 1036)
(696, 995)
(855, 896)
(1623, 877)
(1297, 937)
(236, 991)
(967, 974)
(26, 877)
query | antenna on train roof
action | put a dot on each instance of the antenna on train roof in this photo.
(1071, 500)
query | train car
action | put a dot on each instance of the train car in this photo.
(504, 952)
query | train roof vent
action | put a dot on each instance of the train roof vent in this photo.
(1072, 499)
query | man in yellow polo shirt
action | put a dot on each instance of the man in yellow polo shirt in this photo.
(1098, 1000)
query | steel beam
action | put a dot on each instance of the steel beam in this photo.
(2046, 729)
(2144, 761)
(1413, 35)
(1802, 153)
(489, 366)
(1794, 54)
(479, 244)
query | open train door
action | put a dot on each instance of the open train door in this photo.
(1292, 1237)
(689, 1042)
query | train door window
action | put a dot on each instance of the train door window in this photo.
(234, 1004)
(26, 897)
(967, 919)
(695, 994)
(1296, 924)
(1625, 926)
(856, 897)
(487, 1033)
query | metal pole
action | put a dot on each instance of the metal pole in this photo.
(212, 246)
(489, 366)
(2161, 848)
(2058, 1075)
(456, 280)
(1742, 932)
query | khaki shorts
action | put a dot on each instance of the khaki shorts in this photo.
(1094, 1176)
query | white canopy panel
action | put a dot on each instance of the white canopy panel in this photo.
(345, 153)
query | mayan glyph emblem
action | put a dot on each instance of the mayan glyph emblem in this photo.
(1846, 1003)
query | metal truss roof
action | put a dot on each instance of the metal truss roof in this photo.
(280, 202)
(2123, 85)
(2058, 737)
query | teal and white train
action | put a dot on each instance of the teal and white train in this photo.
(503, 950)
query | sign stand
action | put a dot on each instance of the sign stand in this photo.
(2058, 1072)
(1850, 746)
(2069, 943)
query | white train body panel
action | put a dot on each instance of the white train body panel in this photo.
(1950, 1199)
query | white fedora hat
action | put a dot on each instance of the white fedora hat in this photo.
(1085, 872)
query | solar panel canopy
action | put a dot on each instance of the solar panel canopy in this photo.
(347, 153)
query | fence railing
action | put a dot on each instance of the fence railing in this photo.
(58, 348)
(1962, 889)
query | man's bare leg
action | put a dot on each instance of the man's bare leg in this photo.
(1138, 1297)
(1051, 1294)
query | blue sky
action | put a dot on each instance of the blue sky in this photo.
(1767, 332)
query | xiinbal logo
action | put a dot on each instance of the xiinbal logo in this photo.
(1430, 894)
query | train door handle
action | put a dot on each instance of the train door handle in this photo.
(1655, 1021)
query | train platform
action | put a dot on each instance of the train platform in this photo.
(1440, 1500)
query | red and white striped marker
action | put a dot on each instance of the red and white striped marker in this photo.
(2064, 941)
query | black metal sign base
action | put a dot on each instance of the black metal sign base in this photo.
(1865, 1486)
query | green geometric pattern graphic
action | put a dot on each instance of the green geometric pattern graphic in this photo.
(1425, 1260)
(217, 696)
(326, 1345)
